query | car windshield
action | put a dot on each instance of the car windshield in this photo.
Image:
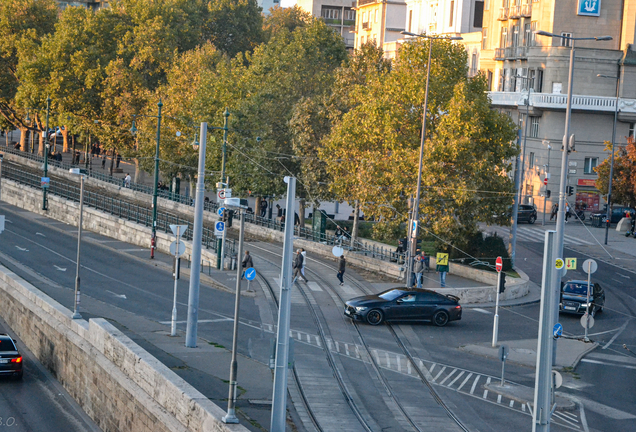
(6, 345)
(391, 294)
(576, 288)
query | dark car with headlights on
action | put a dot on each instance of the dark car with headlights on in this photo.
(402, 304)
(574, 297)
(10, 358)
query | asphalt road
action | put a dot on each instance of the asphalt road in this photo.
(38, 403)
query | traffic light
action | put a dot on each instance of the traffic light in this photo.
(570, 190)
(548, 193)
(230, 216)
(502, 283)
(418, 242)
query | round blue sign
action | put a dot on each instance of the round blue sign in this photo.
(250, 273)
(557, 331)
(220, 211)
(220, 226)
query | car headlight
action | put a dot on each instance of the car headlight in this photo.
(361, 308)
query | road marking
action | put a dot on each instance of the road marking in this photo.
(314, 286)
(134, 250)
(40, 234)
(616, 280)
(512, 403)
(388, 359)
(523, 407)
(347, 349)
(22, 249)
(622, 275)
(408, 367)
(608, 364)
(570, 415)
(456, 378)
(472, 390)
(337, 346)
(439, 373)
(59, 268)
(318, 341)
(615, 358)
(447, 377)
(7, 220)
(348, 290)
(486, 391)
(484, 311)
(399, 363)
(464, 382)
(564, 419)
(611, 341)
(121, 296)
(205, 321)
(498, 398)
(432, 367)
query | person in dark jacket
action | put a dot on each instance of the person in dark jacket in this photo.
(341, 269)
(298, 266)
(246, 262)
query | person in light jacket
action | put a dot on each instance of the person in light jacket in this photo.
(246, 262)
(298, 265)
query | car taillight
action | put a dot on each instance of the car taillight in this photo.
(458, 307)
(16, 360)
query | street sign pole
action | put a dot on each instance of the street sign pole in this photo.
(589, 267)
(543, 381)
(223, 249)
(173, 328)
(495, 326)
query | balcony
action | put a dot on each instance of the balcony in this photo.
(503, 14)
(526, 10)
(366, 25)
(514, 12)
(511, 53)
(557, 101)
(365, 2)
(500, 54)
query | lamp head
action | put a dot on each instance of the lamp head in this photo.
(27, 117)
(195, 142)
(603, 38)
(133, 129)
(545, 33)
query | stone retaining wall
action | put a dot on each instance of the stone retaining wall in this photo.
(117, 383)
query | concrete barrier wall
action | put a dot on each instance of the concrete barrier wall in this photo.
(117, 383)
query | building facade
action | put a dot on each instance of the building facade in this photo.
(528, 76)
(337, 14)
(92, 4)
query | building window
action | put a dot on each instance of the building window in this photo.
(473, 64)
(487, 5)
(531, 160)
(534, 127)
(590, 164)
(515, 36)
(566, 42)
(411, 20)
(503, 39)
(489, 77)
(364, 17)
(527, 34)
(484, 38)
(520, 122)
(478, 18)
(330, 13)
(375, 16)
(349, 15)
(538, 86)
(452, 9)
(631, 129)
(533, 29)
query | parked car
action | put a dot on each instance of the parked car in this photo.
(618, 213)
(402, 304)
(574, 297)
(527, 213)
(10, 357)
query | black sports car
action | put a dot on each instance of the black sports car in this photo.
(403, 304)
(10, 357)
(574, 297)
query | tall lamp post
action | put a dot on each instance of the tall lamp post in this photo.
(133, 130)
(46, 153)
(547, 171)
(414, 225)
(609, 191)
(76, 314)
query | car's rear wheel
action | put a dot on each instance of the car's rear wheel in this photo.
(440, 319)
(375, 317)
(532, 219)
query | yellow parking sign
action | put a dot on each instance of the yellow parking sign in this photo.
(570, 263)
(442, 259)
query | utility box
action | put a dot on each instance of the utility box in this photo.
(319, 224)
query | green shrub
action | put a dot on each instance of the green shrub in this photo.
(484, 249)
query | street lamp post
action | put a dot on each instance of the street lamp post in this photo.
(46, 152)
(609, 191)
(76, 314)
(221, 242)
(414, 225)
(546, 186)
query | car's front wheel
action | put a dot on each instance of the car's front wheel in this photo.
(440, 318)
(532, 219)
(375, 317)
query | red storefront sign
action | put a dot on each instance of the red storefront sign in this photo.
(586, 182)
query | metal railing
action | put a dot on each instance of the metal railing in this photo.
(133, 212)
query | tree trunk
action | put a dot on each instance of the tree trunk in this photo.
(6, 136)
(112, 163)
(65, 136)
(73, 151)
(136, 170)
(41, 144)
(356, 219)
(301, 212)
(23, 138)
(257, 206)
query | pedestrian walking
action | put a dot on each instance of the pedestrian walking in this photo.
(118, 160)
(104, 162)
(127, 180)
(442, 270)
(246, 262)
(554, 211)
(418, 269)
(567, 212)
(263, 208)
(342, 264)
(302, 269)
(298, 265)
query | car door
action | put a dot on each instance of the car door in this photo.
(404, 307)
(425, 305)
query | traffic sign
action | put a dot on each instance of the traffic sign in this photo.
(220, 211)
(557, 379)
(221, 193)
(559, 264)
(557, 331)
(499, 264)
(174, 251)
(45, 182)
(337, 251)
(219, 227)
(250, 273)
(545, 181)
(584, 321)
(570, 263)
(414, 229)
(503, 352)
(180, 229)
(442, 259)
(589, 266)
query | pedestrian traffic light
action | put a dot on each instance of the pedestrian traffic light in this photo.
(230, 216)
(548, 193)
(502, 283)
(570, 190)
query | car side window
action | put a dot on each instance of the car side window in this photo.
(408, 298)
(427, 297)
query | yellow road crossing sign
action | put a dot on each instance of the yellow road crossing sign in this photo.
(558, 263)
(442, 259)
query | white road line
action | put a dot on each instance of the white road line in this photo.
(329, 344)
(484, 311)
(523, 407)
(399, 363)
(317, 341)
(347, 349)
(563, 419)
(314, 286)
(622, 275)
(459, 375)
(377, 356)
(337, 347)
(568, 414)
(432, 366)
(408, 367)
(448, 376)
(40, 234)
(309, 340)
(498, 398)
(512, 403)
(608, 364)
(611, 341)
(439, 373)
(472, 390)
(464, 382)
(616, 280)
(388, 359)
(486, 391)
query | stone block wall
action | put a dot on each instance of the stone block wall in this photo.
(117, 383)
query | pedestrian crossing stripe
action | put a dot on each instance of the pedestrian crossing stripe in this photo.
(536, 235)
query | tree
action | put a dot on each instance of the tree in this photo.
(624, 178)
(373, 151)
(285, 19)
(233, 26)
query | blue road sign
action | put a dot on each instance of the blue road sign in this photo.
(557, 331)
(220, 211)
(250, 273)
